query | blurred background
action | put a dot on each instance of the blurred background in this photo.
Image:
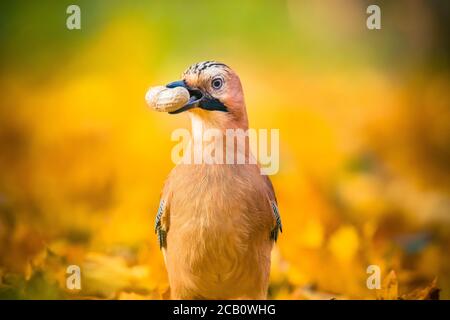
(364, 121)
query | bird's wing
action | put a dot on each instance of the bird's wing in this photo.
(162, 219)
(277, 226)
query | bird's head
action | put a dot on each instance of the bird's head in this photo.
(216, 94)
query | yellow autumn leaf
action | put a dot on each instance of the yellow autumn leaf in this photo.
(344, 243)
(389, 289)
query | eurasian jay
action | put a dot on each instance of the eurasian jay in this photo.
(216, 223)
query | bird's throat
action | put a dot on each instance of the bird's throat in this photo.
(215, 141)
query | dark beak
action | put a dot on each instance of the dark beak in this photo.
(197, 99)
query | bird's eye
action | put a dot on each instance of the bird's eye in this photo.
(217, 83)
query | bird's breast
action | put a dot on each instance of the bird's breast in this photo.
(219, 224)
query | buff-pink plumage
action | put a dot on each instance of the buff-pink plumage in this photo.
(217, 222)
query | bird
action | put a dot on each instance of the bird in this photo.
(216, 224)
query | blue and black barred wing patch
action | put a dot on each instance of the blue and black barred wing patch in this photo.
(159, 230)
(278, 228)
